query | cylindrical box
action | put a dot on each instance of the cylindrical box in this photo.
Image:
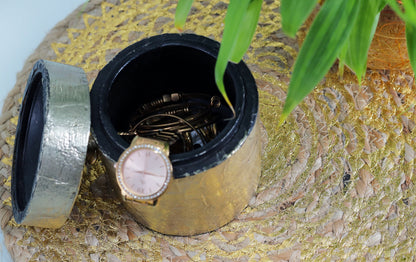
(211, 184)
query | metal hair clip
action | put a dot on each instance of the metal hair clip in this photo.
(185, 121)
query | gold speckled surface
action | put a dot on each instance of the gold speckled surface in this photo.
(337, 178)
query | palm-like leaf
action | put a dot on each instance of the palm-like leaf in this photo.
(181, 13)
(294, 13)
(240, 23)
(411, 36)
(342, 28)
(328, 33)
(362, 33)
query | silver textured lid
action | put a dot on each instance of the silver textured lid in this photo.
(51, 144)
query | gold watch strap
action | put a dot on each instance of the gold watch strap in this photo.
(152, 202)
(164, 146)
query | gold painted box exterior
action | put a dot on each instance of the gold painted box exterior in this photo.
(207, 200)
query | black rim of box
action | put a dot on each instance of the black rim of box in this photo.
(29, 134)
(243, 94)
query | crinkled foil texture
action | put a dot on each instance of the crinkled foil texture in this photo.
(337, 178)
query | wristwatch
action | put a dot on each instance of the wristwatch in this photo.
(144, 170)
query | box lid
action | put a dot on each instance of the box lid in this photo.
(51, 144)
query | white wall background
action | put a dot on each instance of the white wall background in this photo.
(23, 25)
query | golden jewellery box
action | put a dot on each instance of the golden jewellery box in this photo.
(210, 183)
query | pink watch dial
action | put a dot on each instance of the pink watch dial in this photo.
(144, 172)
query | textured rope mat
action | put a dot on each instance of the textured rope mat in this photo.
(337, 179)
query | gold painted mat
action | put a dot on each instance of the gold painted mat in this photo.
(337, 179)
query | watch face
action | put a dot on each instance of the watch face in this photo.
(143, 171)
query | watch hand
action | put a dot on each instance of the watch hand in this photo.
(148, 173)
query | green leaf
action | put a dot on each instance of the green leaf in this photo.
(246, 31)
(410, 11)
(294, 13)
(327, 35)
(181, 13)
(361, 36)
(236, 12)
(341, 58)
(411, 43)
(381, 5)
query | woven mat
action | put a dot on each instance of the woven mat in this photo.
(337, 178)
